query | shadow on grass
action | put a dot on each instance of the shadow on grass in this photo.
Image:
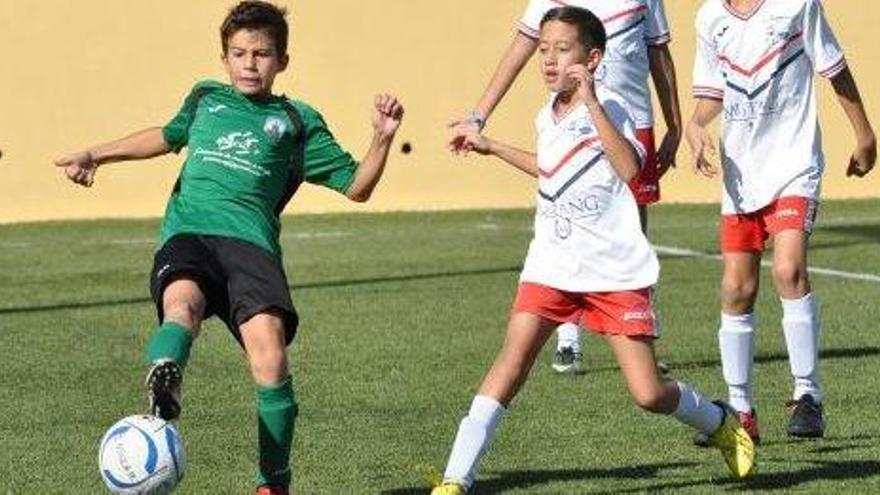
(306, 286)
(125, 301)
(831, 443)
(840, 353)
(783, 480)
(500, 481)
(856, 234)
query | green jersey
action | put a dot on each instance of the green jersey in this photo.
(245, 160)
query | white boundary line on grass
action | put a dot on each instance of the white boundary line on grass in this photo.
(137, 241)
(690, 253)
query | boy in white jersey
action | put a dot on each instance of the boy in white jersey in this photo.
(589, 262)
(755, 62)
(638, 38)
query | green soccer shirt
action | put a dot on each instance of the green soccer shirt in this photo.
(245, 160)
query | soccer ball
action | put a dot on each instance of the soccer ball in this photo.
(141, 455)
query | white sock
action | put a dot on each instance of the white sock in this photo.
(736, 339)
(475, 433)
(694, 410)
(800, 323)
(568, 335)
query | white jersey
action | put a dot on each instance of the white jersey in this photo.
(587, 232)
(631, 26)
(761, 66)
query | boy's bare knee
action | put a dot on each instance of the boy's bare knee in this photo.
(790, 278)
(738, 293)
(184, 312)
(269, 367)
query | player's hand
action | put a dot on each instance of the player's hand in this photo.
(472, 140)
(667, 152)
(79, 167)
(702, 148)
(863, 159)
(460, 129)
(582, 81)
(387, 115)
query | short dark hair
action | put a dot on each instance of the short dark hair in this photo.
(590, 29)
(256, 15)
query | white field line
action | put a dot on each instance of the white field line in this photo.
(139, 241)
(689, 253)
(314, 235)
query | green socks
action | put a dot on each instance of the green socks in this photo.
(276, 405)
(170, 341)
(276, 411)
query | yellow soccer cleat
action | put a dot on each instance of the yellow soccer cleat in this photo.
(734, 443)
(448, 488)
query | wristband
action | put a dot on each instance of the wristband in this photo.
(476, 118)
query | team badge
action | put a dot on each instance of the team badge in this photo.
(274, 128)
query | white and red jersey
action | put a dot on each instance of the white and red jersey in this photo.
(761, 65)
(631, 26)
(587, 232)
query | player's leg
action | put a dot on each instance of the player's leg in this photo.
(261, 316)
(526, 334)
(181, 304)
(183, 307)
(263, 336)
(736, 335)
(742, 242)
(800, 316)
(635, 355)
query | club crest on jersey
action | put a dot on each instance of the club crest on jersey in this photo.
(778, 29)
(580, 127)
(274, 128)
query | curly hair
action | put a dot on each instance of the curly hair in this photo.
(256, 15)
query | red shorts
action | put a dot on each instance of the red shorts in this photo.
(646, 186)
(619, 313)
(747, 232)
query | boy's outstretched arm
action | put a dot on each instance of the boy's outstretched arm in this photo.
(521, 159)
(518, 53)
(81, 166)
(698, 138)
(663, 75)
(387, 115)
(865, 154)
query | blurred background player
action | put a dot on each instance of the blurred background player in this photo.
(219, 252)
(638, 38)
(755, 62)
(590, 265)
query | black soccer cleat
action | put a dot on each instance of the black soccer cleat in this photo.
(807, 420)
(163, 389)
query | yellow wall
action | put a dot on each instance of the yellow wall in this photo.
(80, 72)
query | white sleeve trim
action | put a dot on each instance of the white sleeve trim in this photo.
(527, 31)
(659, 40)
(835, 68)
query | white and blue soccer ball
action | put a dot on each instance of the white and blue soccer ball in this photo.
(141, 455)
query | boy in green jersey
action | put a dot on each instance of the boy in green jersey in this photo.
(219, 254)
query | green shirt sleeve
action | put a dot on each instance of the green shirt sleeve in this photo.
(326, 162)
(176, 132)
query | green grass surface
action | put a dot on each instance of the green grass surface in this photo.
(401, 316)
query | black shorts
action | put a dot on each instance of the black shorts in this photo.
(239, 279)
